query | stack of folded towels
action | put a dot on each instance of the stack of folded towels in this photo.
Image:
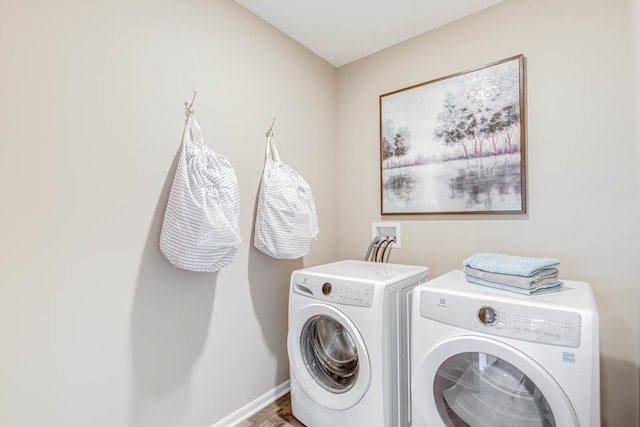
(524, 275)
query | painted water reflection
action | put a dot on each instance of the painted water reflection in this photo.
(401, 185)
(482, 184)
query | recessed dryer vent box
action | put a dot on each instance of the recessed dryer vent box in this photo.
(387, 229)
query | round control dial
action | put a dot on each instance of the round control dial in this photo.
(488, 315)
(326, 288)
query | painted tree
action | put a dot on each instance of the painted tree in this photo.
(396, 141)
(511, 121)
(452, 126)
(387, 150)
(483, 107)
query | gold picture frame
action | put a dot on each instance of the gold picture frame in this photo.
(456, 144)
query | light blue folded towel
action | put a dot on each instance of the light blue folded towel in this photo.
(509, 264)
(543, 289)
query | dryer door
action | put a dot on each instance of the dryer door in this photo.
(478, 382)
(328, 357)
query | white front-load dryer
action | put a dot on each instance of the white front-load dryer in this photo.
(348, 343)
(484, 357)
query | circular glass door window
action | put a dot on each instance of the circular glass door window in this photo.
(478, 390)
(329, 353)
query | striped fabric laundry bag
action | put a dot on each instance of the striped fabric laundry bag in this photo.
(286, 218)
(200, 230)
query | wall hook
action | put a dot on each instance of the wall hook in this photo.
(189, 111)
(269, 132)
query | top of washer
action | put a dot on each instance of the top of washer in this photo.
(374, 272)
(573, 294)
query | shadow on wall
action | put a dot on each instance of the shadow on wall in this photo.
(169, 327)
(269, 286)
(619, 379)
(619, 408)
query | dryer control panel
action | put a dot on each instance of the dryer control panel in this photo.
(337, 291)
(511, 320)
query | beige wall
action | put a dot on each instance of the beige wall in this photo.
(582, 160)
(96, 327)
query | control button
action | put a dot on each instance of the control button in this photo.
(488, 315)
(326, 288)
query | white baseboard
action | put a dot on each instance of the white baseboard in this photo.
(254, 406)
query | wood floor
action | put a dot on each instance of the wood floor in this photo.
(276, 414)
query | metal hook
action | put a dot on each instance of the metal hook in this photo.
(270, 131)
(187, 106)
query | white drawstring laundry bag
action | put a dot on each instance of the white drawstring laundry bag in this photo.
(200, 230)
(286, 218)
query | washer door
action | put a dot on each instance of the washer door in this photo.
(328, 357)
(479, 382)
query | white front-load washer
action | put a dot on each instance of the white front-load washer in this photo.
(348, 343)
(484, 357)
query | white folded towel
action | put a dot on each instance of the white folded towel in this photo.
(542, 277)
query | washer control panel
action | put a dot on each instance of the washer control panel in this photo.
(506, 319)
(337, 291)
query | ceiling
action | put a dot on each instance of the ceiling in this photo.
(342, 31)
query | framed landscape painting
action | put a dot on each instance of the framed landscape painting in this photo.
(455, 145)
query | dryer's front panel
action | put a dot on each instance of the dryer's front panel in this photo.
(479, 382)
(479, 389)
(328, 356)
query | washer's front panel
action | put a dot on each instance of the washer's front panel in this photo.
(329, 353)
(328, 356)
(336, 291)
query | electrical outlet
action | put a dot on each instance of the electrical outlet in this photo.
(387, 229)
